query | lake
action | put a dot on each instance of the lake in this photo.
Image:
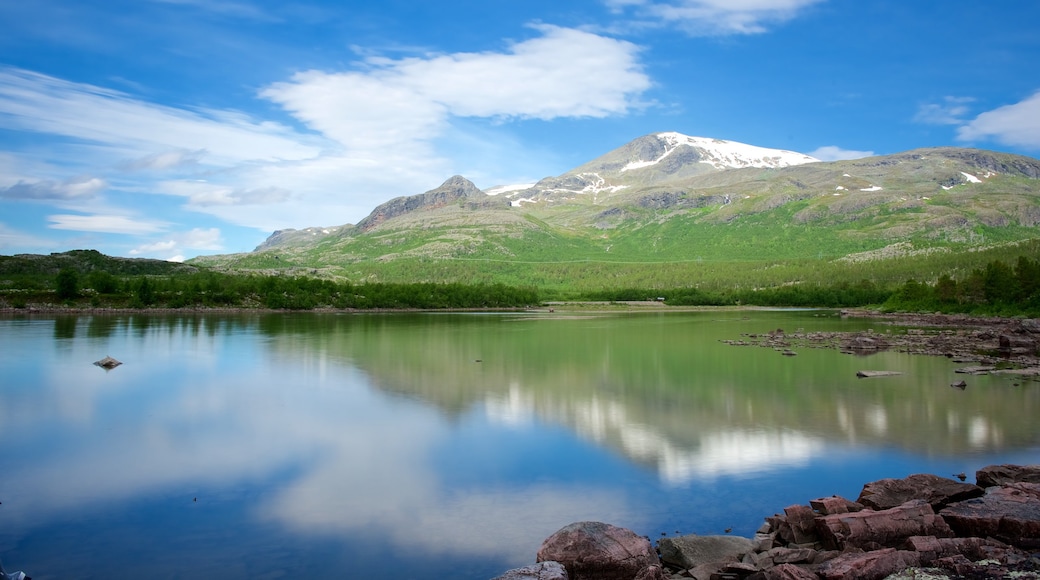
(447, 445)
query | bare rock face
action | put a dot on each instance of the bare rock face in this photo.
(788, 572)
(889, 528)
(937, 491)
(692, 550)
(540, 571)
(1009, 513)
(994, 475)
(599, 551)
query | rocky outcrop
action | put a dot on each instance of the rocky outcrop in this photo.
(599, 551)
(937, 491)
(1009, 513)
(454, 189)
(941, 529)
(1005, 474)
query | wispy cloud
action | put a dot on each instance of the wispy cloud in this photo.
(834, 153)
(951, 111)
(714, 17)
(164, 161)
(37, 103)
(109, 224)
(208, 239)
(1015, 125)
(76, 188)
(12, 238)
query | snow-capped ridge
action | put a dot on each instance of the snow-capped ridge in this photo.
(722, 154)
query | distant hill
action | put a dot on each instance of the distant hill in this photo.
(86, 261)
(668, 209)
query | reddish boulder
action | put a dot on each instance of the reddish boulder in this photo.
(1008, 513)
(887, 528)
(994, 475)
(867, 565)
(834, 504)
(595, 550)
(937, 491)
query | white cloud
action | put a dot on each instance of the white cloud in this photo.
(110, 224)
(382, 128)
(715, 17)
(1015, 125)
(834, 153)
(951, 111)
(76, 188)
(563, 73)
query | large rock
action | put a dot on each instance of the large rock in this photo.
(1008, 513)
(994, 475)
(938, 491)
(889, 528)
(599, 551)
(539, 571)
(692, 550)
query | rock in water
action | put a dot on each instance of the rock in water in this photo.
(107, 363)
(595, 550)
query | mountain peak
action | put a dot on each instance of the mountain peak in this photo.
(455, 188)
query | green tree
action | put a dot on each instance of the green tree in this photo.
(144, 294)
(67, 284)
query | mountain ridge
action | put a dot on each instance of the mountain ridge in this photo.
(661, 199)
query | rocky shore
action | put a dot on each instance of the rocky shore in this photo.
(922, 526)
(983, 345)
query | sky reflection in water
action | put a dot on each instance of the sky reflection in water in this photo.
(309, 444)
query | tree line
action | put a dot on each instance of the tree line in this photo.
(220, 290)
(998, 288)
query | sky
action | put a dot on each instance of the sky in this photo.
(171, 129)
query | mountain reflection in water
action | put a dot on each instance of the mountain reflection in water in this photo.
(314, 444)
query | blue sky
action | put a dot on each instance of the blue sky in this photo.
(175, 128)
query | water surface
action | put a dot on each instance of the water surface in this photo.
(446, 445)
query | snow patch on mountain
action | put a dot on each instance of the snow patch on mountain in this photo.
(723, 154)
(500, 189)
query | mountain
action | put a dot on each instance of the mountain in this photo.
(708, 209)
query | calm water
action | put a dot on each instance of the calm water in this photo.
(445, 445)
